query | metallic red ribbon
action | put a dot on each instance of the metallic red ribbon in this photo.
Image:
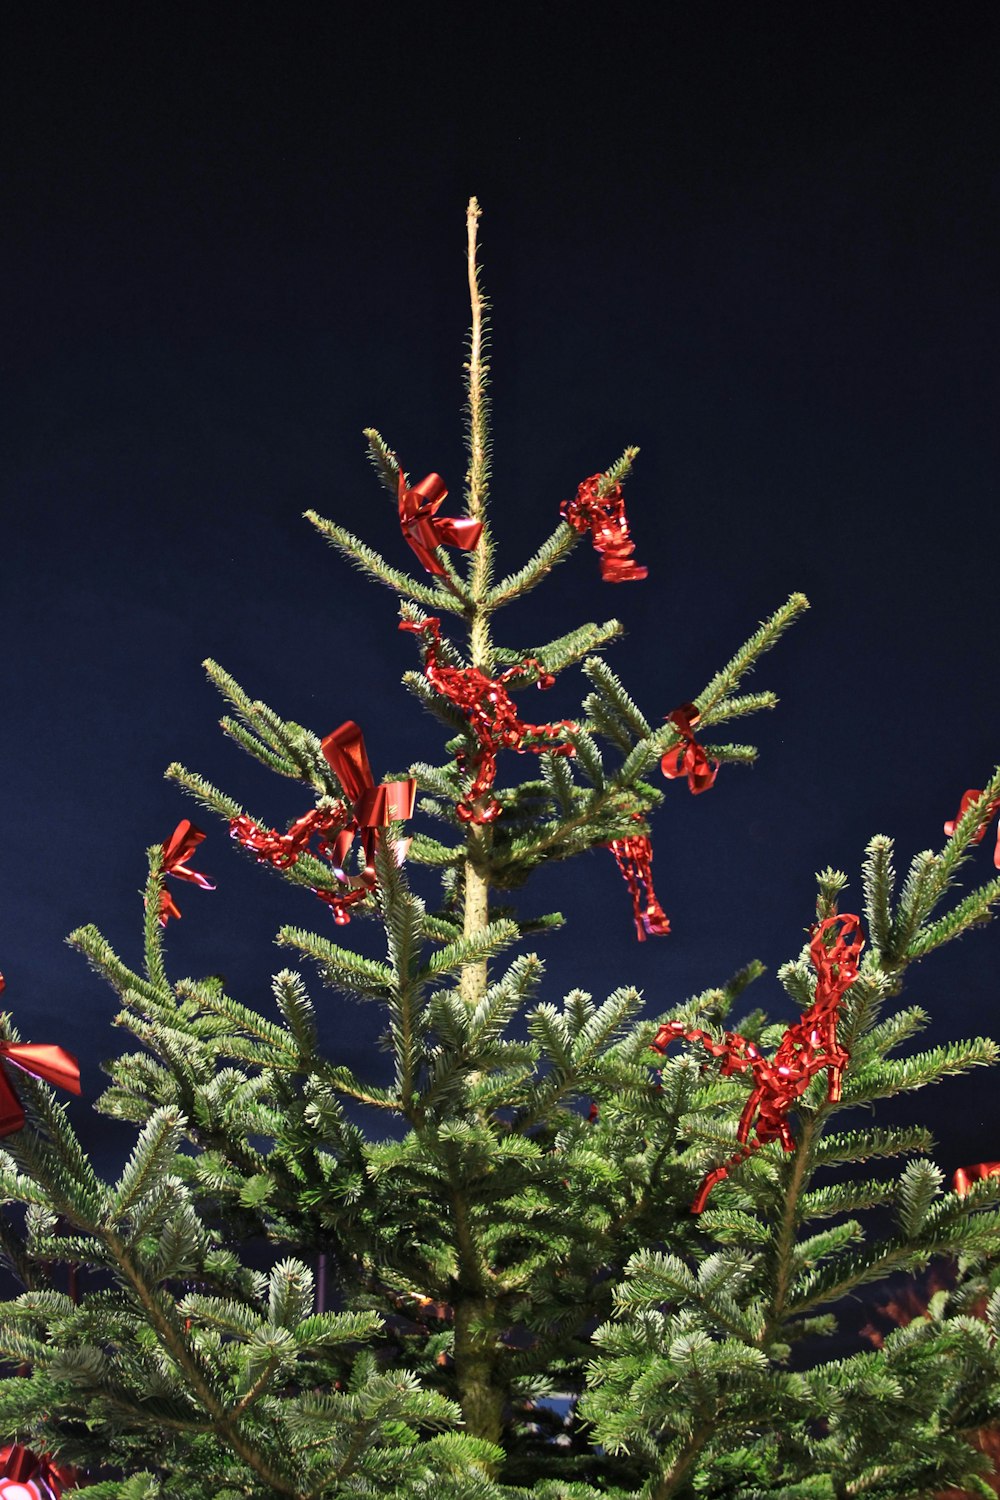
(26, 1476)
(634, 855)
(966, 1176)
(282, 850)
(805, 1050)
(373, 807)
(604, 517)
(688, 758)
(424, 529)
(492, 717)
(988, 812)
(177, 850)
(42, 1060)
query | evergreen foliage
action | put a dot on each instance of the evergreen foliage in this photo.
(491, 1246)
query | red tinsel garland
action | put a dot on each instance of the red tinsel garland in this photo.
(604, 517)
(805, 1050)
(634, 856)
(492, 716)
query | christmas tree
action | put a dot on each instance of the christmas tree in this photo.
(570, 1250)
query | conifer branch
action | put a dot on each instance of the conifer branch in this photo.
(728, 680)
(367, 560)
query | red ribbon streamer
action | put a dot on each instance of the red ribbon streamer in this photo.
(805, 1050)
(492, 717)
(424, 529)
(688, 758)
(26, 1476)
(604, 517)
(988, 812)
(177, 850)
(634, 855)
(966, 1176)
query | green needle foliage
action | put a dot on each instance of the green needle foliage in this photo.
(488, 1246)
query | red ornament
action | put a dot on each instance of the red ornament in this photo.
(688, 758)
(424, 529)
(336, 827)
(966, 1176)
(42, 1060)
(492, 717)
(805, 1050)
(26, 1476)
(177, 850)
(604, 517)
(988, 812)
(635, 858)
(282, 850)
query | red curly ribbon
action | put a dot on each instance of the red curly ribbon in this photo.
(966, 1176)
(42, 1060)
(177, 850)
(424, 529)
(805, 1050)
(634, 856)
(688, 758)
(282, 850)
(604, 517)
(988, 812)
(26, 1476)
(492, 717)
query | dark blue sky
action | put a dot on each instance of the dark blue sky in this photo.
(761, 242)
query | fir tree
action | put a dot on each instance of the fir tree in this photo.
(491, 1243)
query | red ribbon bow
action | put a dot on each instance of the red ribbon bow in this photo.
(604, 517)
(492, 716)
(966, 1176)
(373, 807)
(805, 1050)
(177, 850)
(988, 812)
(49, 1063)
(424, 529)
(688, 758)
(26, 1476)
(634, 856)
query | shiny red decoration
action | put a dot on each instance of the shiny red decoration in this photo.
(42, 1060)
(604, 517)
(966, 1176)
(989, 812)
(634, 856)
(688, 758)
(282, 850)
(177, 850)
(26, 1476)
(805, 1050)
(424, 529)
(336, 827)
(492, 717)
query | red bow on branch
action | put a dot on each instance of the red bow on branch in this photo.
(604, 517)
(49, 1063)
(988, 812)
(26, 1476)
(493, 719)
(424, 529)
(966, 1176)
(634, 856)
(177, 850)
(804, 1050)
(688, 758)
(373, 807)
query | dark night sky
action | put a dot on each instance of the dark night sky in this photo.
(760, 241)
